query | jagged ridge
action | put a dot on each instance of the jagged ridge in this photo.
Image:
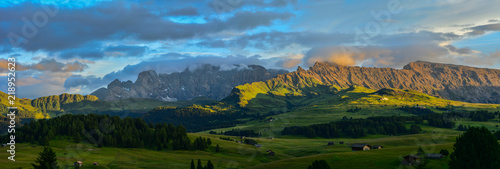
(454, 82)
(209, 81)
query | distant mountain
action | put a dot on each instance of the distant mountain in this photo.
(209, 81)
(453, 82)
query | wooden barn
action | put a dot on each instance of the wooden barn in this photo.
(411, 160)
(331, 143)
(361, 147)
(78, 164)
(377, 147)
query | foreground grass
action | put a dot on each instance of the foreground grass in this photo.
(290, 152)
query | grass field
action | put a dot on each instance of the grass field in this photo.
(290, 152)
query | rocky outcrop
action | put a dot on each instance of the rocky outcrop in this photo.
(453, 82)
(208, 80)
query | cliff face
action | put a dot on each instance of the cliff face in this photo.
(210, 81)
(453, 82)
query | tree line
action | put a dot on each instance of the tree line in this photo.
(195, 118)
(103, 130)
(355, 128)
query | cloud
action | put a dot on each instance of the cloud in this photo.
(124, 50)
(482, 29)
(188, 11)
(117, 20)
(460, 51)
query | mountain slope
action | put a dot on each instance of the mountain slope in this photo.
(447, 81)
(209, 81)
(54, 102)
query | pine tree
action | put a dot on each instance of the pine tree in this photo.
(199, 166)
(46, 159)
(210, 165)
(476, 148)
(217, 148)
(444, 152)
(319, 164)
(192, 164)
(423, 159)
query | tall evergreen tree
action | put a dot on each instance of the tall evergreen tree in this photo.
(319, 164)
(199, 166)
(476, 148)
(210, 165)
(192, 164)
(423, 159)
(46, 159)
(217, 148)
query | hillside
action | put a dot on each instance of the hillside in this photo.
(210, 81)
(446, 81)
(54, 102)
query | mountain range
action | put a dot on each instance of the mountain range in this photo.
(210, 81)
(452, 82)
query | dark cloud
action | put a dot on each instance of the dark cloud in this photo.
(480, 30)
(124, 50)
(493, 20)
(188, 11)
(278, 40)
(460, 51)
(117, 20)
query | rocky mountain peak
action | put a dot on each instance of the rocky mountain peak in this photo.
(207, 80)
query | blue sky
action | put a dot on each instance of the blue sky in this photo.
(80, 46)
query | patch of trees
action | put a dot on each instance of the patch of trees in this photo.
(481, 115)
(238, 132)
(355, 128)
(416, 110)
(354, 109)
(103, 130)
(439, 120)
(209, 165)
(476, 148)
(319, 164)
(250, 141)
(195, 118)
(463, 127)
(201, 143)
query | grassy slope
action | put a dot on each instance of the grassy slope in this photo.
(327, 107)
(291, 152)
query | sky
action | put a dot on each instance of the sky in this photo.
(82, 45)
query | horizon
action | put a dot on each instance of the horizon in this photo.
(80, 46)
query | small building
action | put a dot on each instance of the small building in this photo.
(258, 145)
(331, 143)
(420, 107)
(4, 145)
(95, 163)
(434, 156)
(361, 147)
(270, 153)
(78, 164)
(377, 147)
(411, 160)
(341, 142)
